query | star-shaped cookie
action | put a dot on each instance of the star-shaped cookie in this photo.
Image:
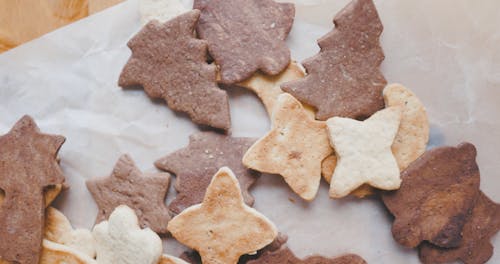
(195, 165)
(170, 63)
(222, 227)
(127, 185)
(364, 152)
(294, 148)
(344, 78)
(28, 165)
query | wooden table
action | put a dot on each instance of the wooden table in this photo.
(24, 20)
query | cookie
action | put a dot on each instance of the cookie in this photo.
(483, 222)
(285, 255)
(58, 253)
(127, 185)
(170, 63)
(161, 10)
(50, 194)
(193, 257)
(195, 165)
(268, 88)
(344, 78)
(213, 228)
(171, 260)
(294, 148)
(242, 43)
(59, 230)
(413, 134)
(437, 191)
(121, 240)
(28, 164)
(363, 149)
(328, 167)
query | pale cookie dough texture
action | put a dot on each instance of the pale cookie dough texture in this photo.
(161, 10)
(121, 240)
(413, 135)
(222, 227)
(294, 148)
(364, 152)
(58, 229)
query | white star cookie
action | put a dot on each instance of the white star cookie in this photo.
(364, 152)
(121, 240)
(161, 10)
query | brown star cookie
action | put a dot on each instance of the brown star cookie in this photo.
(28, 165)
(285, 255)
(482, 224)
(344, 78)
(195, 165)
(437, 191)
(246, 35)
(127, 185)
(170, 63)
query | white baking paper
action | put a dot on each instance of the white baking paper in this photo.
(447, 52)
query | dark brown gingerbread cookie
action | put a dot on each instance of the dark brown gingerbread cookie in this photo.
(127, 185)
(437, 192)
(246, 35)
(193, 257)
(195, 165)
(344, 78)
(285, 255)
(28, 164)
(482, 224)
(170, 63)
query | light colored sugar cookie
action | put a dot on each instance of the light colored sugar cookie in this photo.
(121, 240)
(328, 167)
(165, 259)
(268, 87)
(161, 10)
(222, 227)
(413, 135)
(59, 230)
(57, 253)
(294, 148)
(364, 153)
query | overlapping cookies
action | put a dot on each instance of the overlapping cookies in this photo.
(337, 120)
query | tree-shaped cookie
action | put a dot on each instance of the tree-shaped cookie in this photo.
(344, 78)
(127, 185)
(483, 222)
(195, 165)
(170, 63)
(246, 35)
(294, 148)
(437, 192)
(222, 227)
(364, 153)
(28, 164)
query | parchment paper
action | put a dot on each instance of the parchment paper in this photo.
(447, 52)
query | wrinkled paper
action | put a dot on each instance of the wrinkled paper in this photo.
(447, 52)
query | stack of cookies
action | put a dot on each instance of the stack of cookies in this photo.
(333, 117)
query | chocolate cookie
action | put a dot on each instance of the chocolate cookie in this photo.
(437, 191)
(127, 185)
(344, 78)
(195, 165)
(246, 35)
(28, 164)
(170, 63)
(482, 224)
(285, 255)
